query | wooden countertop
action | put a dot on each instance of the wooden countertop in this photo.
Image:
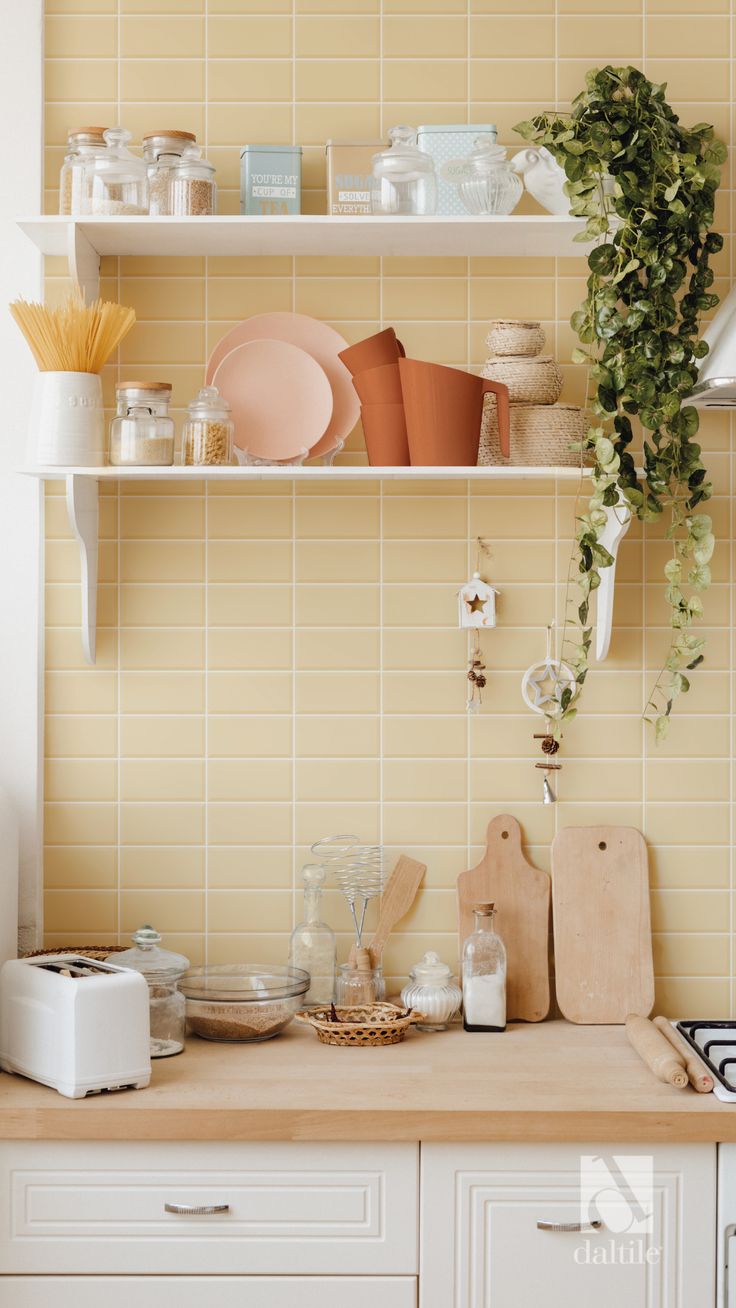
(545, 1082)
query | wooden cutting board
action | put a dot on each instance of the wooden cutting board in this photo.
(521, 894)
(602, 928)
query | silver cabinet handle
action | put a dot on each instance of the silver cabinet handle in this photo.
(196, 1210)
(570, 1226)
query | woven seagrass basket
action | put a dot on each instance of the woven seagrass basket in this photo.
(508, 336)
(530, 381)
(369, 1024)
(541, 435)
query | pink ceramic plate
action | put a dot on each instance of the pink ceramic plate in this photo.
(280, 397)
(318, 339)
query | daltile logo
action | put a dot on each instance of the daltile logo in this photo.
(617, 1210)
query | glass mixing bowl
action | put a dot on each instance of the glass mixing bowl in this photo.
(240, 1001)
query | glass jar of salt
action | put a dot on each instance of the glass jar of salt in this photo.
(484, 975)
(312, 945)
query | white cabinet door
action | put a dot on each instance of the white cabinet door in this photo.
(208, 1292)
(297, 1209)
(489, 1213)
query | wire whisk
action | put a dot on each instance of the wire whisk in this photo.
(358, 870)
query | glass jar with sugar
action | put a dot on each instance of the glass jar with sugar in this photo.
(484, 975)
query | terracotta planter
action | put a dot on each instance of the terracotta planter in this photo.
(380, 385)
(444, 408)
(373, 352)
(384, 427)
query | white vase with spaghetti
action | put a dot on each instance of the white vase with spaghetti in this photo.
(71, 344)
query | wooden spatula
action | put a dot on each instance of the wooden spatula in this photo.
(397, 898)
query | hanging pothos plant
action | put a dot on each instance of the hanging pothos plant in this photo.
(647, 187)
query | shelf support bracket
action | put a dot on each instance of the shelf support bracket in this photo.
(619, 521)
(82, 506)
(84, 263)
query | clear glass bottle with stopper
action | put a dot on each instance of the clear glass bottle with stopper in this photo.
(312, 946)
(484, 974)
(162, 970)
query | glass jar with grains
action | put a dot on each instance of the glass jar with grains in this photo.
(192, 189)
(207, 437)
(84, 145)
(162, 151)
(119, 178)
(142, 433)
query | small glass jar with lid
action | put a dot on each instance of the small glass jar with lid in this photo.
(118, 178)
(404, 180)
(207, 437)
(433, 992)
(357, 986)
(192, 187)
(488, 183)
(84, 145)
(162, 970)
(484, 975)
(142, 433)
(312, 946)
(162, 151)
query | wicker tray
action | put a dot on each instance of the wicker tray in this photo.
(369, 1025)
(510, 336)
(530, 381)
(541, 435)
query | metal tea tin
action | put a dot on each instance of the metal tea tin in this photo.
(270, 179)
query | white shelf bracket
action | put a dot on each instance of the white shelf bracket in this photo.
(84, 263)
(619, 521)
(82, 506)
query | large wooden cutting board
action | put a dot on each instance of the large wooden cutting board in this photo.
(602, 928)
(521, 894)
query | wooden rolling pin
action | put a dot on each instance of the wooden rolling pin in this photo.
(698, 1077)
(656, 1051)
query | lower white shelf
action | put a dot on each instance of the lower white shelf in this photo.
(338, 472)
(82, 496)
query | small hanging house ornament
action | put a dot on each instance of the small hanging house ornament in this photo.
(477, 603)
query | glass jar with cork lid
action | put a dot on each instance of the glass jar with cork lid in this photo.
(84, 144)
(142, 433)
(163, 151)
(207, 436)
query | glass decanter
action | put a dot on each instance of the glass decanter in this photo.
(312, 946)
(404, 180)
(489, 184)
(484, 975)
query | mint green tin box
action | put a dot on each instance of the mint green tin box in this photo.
(270, 179)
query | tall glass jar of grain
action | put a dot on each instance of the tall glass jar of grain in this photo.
(208, 432)
(162, 151)
(84, 144)
(192, 190)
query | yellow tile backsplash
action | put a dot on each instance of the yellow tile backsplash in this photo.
(275, 664)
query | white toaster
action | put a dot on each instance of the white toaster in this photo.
(75, 1024)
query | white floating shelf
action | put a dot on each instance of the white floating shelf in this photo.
(82, 499)
(338, 472)
(527, 235)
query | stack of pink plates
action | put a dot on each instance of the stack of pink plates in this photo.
(291, 395)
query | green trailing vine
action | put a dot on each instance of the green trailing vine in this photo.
(646, 186)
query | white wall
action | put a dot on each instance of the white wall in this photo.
(21, 609)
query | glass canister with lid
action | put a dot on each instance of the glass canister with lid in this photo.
(162, 970)
(433, 992)
(84, 145)
(163, 151)
(192, 186)
(488, 183)
(142, 432)
(118, 178)
(404, 180)
(207, 437)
